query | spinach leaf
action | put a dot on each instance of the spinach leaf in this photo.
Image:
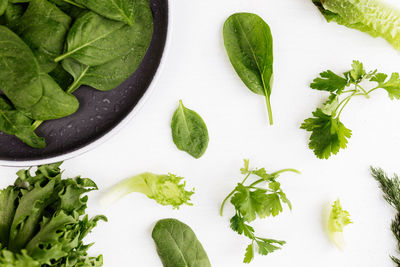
(12, 14)
(15, 123)
(107, 76)
(178, 246)
(55, 103)
(189, 131)
(3, 6)
(19, 75)
(120, 10)
(44, 27)
(34, 93)
(62, 77)
(94, 40)
(248, 41)
(71, 10)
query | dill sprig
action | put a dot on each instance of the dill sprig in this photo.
(391, 193)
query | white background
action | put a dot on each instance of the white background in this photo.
(198, 71)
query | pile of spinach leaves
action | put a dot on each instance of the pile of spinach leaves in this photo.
(49, 48)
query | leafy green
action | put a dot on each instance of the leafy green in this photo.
(328, 134)
(121, 10)
(189, 131)
(109, 75)
(3, 6)
(12, 14)
(251, 201)
(373, 17)
(178, 246)
(44, 27)
(91, 40)
(248, 41)
(391, 193)
(164, 189)
(16, 123)
(44, 222)
(338, 219)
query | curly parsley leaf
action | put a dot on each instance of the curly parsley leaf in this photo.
(328, 134)
(251, 201)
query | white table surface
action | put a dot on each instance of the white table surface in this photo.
(198, 71)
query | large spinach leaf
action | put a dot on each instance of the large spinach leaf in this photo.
(189, 131)
(178, 246)
(94, 40)
(15, 123)
(19, 75)
(62, 77)
(248, 41)
(121, 10)
(44, 27)
(109, 75)
(55, 103)
(3, 6)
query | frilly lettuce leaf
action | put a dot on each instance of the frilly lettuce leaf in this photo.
(164, 189)
(338, 219)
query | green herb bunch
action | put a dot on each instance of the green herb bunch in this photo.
(43, 221)
(328, 133)
(391, 193)
(251, 201)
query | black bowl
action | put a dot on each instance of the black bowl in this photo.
(99, 112)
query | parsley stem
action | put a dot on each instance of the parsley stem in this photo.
(221, 210)
(373, 89)
(286, 170)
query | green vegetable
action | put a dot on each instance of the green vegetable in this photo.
(248, 41)
(164, 189)
(109, 75)
(338, 219)
(121, 10)
(92, 40)
(3, 6)
(391, 193)
(12, 14)
(43, 221)
(16, 123)
(189, 131)
(328, 134)
(178, 246)
(251, 201)
(371, 16)
(44, 27)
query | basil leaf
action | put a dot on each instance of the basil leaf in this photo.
(248, 41)
(19, 73)
(14, 122)
(44, 27)
(94, 40)
(189, 131)
(120, 10)
(107, 76)
(178, 246)
(3, 6)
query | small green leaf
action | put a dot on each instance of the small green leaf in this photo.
(249, 255)
(266, 246)
(392, 86)
(358, 71)
(338, 218)
(329, 81)
(189, 131)
(328, 134)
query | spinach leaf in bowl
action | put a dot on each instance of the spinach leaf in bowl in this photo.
(16, 123)
(178, 246)
(107, 76)
(3, 6)
(120, 10)
(12, 14)
(94, 40)
(44, 27)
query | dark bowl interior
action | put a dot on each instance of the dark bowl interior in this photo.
(99, 112)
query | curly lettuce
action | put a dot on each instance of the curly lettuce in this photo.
(164, 189)
(43, 221)
(376, 18)
(338, 219)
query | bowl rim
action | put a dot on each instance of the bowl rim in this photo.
(119, 126)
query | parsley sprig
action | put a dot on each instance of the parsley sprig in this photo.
(253, 200)
(328, 134)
